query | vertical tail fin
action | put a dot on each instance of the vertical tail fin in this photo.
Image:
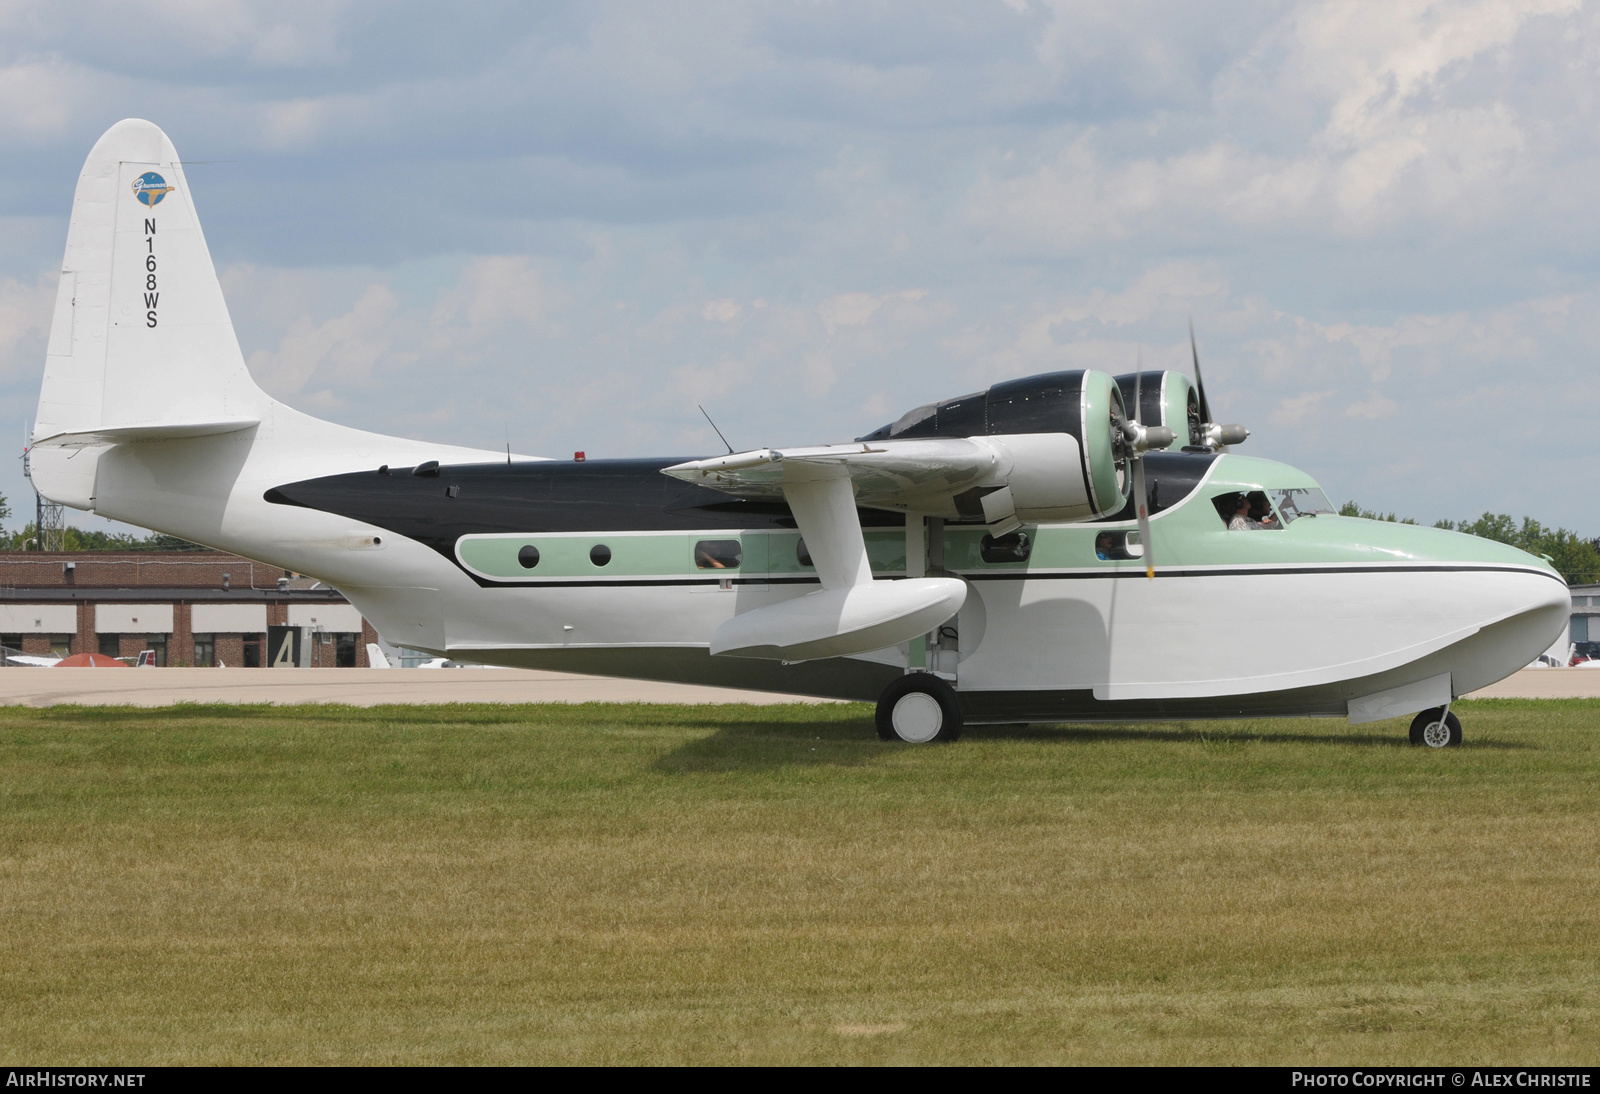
(141, 345)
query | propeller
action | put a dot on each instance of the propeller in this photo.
(1212, 435)
(1140, 439)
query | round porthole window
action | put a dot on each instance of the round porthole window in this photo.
(528, 556)
(599, 554)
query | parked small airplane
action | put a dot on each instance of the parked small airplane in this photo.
(1063, 547)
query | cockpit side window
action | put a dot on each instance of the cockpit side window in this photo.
(1246, 511)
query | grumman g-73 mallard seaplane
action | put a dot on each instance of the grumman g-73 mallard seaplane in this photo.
(986, 559)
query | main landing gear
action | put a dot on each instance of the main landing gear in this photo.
(1434, 731)
(919, 708)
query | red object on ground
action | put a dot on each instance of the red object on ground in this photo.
(89, 661)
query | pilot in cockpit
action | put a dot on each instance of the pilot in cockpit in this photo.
(1244, 519)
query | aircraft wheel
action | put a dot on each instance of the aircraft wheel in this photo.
(919, 708)
(1429, 731)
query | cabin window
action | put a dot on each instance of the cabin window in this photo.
(1013, 547)
(1246, 511)
(1301, 501)
(528, 557)
(599, 554)
(718, 554)
(1118, 546)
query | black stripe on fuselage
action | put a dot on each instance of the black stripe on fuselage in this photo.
(1266, 571)
(538, 498)
(1124, 575)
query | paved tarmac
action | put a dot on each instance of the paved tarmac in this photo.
(1545, 684)
(151, 687)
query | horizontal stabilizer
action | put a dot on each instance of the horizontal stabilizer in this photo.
(843, 621)
(128, 434)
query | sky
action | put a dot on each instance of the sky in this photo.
(567, 225)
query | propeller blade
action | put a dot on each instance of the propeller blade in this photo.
(1143, 500)
(1138, 385)
(1199, 384)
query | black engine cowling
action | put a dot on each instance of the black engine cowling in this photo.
(1084, 404)
(1168, 399)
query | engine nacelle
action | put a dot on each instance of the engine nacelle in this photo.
(1167, 399)
(1067, 456)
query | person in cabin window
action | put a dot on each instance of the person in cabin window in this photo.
(1243, 520)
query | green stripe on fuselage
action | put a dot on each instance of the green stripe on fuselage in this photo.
(566, 555)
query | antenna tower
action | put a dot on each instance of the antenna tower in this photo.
(48, 522)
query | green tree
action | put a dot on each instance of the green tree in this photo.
(1577, 559)
(1351, 509)
(78, 539)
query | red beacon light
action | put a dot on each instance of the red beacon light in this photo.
(578, 457)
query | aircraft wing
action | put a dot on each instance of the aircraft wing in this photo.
(29, 659)
(917, 475)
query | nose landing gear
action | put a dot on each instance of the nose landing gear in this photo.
(919, 708)
(1436, 728)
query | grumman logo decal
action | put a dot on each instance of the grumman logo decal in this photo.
(150, 188)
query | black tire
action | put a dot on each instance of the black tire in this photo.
(909, 695)
(1430, 717)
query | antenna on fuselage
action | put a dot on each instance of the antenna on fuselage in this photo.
(720, 437)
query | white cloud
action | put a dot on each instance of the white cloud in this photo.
(721, 311)
(856, 309)
(1400, 137)
(1294, 409)
(342, 350)
(494, 291)
(1377, 405)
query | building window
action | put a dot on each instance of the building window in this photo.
(12, 643)
(345, 653)
(251, 656)
(157, 643)
(205, 650)
(111, 645)
(61, 645)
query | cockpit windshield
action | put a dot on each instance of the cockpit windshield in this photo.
(1301, 501)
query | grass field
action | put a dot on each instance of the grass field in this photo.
(616, 884)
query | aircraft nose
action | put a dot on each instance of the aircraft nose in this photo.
(1527, 612)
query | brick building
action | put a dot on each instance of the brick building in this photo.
(190, 607)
